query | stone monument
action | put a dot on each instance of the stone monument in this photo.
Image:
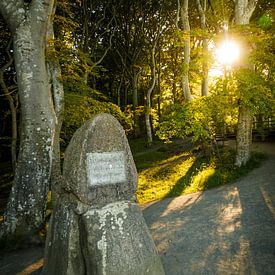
(96, 226)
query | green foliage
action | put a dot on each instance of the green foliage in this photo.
(265, 21)
(203, 118)
(74, 65)
(258, 45)
(80, 108)
(254, 92)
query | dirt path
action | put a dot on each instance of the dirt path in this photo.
(226, 230)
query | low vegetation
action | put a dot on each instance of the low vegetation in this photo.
(174, 169)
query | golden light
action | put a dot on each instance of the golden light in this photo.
(228, 53)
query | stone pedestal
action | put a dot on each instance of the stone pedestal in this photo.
(96, 226)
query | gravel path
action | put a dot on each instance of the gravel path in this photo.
(226, 230)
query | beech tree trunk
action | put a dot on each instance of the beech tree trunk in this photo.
(244, 136)
(135, 103)
(202, 13)
(186, 50)
(148, 99)
(57, 90)
(26, 207)
(243, 12)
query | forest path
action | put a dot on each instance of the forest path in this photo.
(225, 230)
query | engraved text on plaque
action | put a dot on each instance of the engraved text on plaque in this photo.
(106, 168)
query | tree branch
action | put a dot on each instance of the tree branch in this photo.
(200, 9)
(251, 6)
(178, 15)
(105, 52)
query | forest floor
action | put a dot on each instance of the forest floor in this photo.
(225, 230)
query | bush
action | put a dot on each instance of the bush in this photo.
(80, 108)
(203, 118)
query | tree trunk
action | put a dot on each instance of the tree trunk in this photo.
(159, 87)
(186, 50)
(26, 207)
(202, 11)
(135, 104)
(244, 136)
(58, 96)
(243, 12)
(148, 100)
(54, 75)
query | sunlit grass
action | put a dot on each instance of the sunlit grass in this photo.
(164, 174)
(158, 180)
(198, 181)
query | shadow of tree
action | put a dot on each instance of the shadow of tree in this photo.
(185, 181)
(166, 166)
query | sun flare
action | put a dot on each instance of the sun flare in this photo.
(228, 53)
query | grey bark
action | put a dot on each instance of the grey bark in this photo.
(202, 13)
(148, 98)
(26, 207)
(186, 50)
(243, 12)
(158, 79)
(244, 136)
(135, 102)
(57, 90)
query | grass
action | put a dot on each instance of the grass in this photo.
(168, 173)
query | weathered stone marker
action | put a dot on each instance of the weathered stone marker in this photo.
(96, 226)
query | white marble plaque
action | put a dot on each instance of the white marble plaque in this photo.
(106, 168)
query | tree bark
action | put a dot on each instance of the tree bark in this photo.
(244, 136)
(243, 12)
(135, 103)
(26, 207)
(202, 11)
(186, 50)
(57, 89)
(148, 99)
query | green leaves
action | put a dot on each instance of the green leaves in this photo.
(202, 119)
(254, 91)
(265, 21)
(80, 108)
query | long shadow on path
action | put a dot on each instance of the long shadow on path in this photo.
(227, 230)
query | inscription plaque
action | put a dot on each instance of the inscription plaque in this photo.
(106, 168)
